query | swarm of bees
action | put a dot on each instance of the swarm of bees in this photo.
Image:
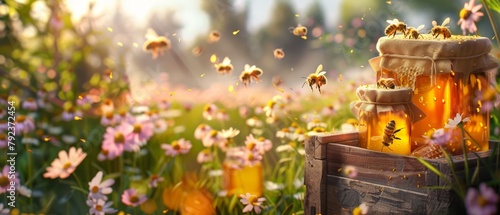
(441, 29)
(250, 74)
(279, 54)
(394, 27)
(225, 67)
(155, 44)
(389, 135)
(386, 83)
(414, 32)
(318, 78)
(299, 30)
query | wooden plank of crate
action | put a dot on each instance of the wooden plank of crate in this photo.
(398, 171)
(349, 138)
(314, 179)
(344, 194)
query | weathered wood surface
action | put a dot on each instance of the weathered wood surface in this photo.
(381, 168)
(314, 178)
(344, 194)
(389, 184)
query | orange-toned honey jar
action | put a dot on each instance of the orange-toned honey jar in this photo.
(385, 118)
(448, 76)
(238, 179)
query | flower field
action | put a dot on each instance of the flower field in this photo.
(98, 120)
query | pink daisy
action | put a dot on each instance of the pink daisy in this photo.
(469, 15)
(6, 179)
(180, 146)
(130, 197)
(65, 164)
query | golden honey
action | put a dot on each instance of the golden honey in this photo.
(248, 179)
(448, 78)
(385, 119)
(372, 132)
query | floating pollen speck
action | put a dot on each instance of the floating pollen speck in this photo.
(111, 75)
(83, 140)
(388, 2)
(136, 45)
(304, 37)
(213, 58)
(172, 93)
(119, 43)
(296, 15)
(341, 78)
(201, 76)
(236, 32)
(110, 29)
(80, 97)
(46, 139)
(78, 118)
(230, 88)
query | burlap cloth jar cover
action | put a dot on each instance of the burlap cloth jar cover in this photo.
(418, 63)
(376, 107)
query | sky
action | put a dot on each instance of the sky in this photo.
(193, 18)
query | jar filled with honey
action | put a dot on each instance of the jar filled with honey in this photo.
(385, 118)
(447, 77)
(238, 178)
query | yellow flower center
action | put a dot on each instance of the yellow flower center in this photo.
(3, 137)
(251, 146)
(109, 116)
(286, 130)
(71, 110)
(176, 146)
(252, 200)
(66, 165)
(250, 156)
(319, 129)
(98, 207)
(20, 118)
(137, 128)
(356, 211)
(481, 201)
(30, 99)
(4, 181)
(134, 199)
(95, 189)
(104, 152)
(271, 104)
(299, 131)
(119, 138)
(464, 14)
(213, 133)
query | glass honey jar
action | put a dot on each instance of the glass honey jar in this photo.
(446, 76)
(385, 118)
(240, 179)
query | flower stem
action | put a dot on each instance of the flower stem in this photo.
(466, 159)
(492, 21)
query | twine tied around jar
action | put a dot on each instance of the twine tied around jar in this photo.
(375, 101)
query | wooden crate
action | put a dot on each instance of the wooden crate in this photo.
(389, 184)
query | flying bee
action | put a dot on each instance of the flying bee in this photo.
(413, 32)
(250, 74)
(389, 135)
(213, 37)
(386, 83)
(299, 30)
(155, 44)
(225, 67)
(394, 27)
(441, 29)
(279, 54)
(318, 78)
